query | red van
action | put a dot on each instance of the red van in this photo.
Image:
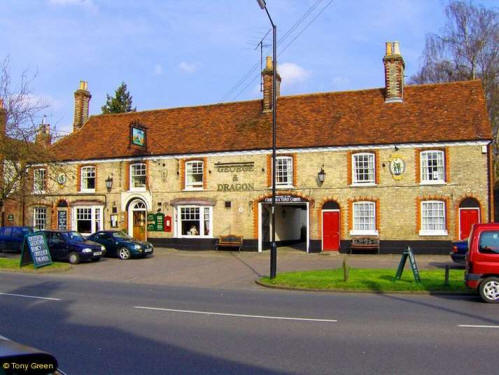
(482, 261)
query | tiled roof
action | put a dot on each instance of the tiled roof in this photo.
(429, 113)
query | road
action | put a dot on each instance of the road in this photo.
(102, 327)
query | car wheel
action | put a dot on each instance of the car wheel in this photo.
(74, 258)
(489, 290)
(124, 253)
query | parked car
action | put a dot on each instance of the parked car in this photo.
(482, 261)
(121, 245)
(11, 238)
(71, 246)
(459, 250)
(17, 358)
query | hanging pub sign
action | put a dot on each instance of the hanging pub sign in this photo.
(35, 250)
(285, 199)
(155, 222)
(138, 136)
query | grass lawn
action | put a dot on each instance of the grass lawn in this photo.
(12, 264)
(372, 280)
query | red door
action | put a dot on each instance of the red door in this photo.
(467, 217)
(330, 230)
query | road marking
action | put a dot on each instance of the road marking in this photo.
(26, 296)
(475, 326)
(237, 315)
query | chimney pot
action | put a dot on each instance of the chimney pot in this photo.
(396, 48)
(388, 48)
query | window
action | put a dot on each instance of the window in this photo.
(138, 176)
(87, 179)
(194, 174)
(39, 180)
(40, 218)
(364, 218)
(432, 167)
(194, 221)
(87, 219)
(433, 218)
(284, 171)
(489, 243)
(363, 168)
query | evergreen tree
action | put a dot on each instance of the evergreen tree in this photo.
(120, 103)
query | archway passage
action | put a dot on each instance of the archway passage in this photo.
(137, 212)
(331, 226)
(469, 214)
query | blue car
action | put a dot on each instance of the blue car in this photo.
(459, 250)
(121, 245)
(11, 238)
(72, 246)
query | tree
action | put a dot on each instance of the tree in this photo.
(18, 130)
(120, 103)
(467, 48)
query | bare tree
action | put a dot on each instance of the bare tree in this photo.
(18, 131)
(467, 48)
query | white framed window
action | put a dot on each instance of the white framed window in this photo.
(194, 175)
(433, 221)
(138, 176)
(432, 167)
(363, 168)
(284, 171)
(39, 180)
(87, 179)
(87, 219)
(194, 221)
(40, 217)
(364, 218)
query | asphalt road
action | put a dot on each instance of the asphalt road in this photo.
(101, 327)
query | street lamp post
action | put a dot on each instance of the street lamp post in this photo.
(273, 246)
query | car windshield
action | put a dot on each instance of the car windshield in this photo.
(26, 230)
(121, 235)
(74, 236)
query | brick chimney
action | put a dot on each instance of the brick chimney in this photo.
(82, 99)
(3, 118)
(43, 136)
(267, 74)
(394, 73)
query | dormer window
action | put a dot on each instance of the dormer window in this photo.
(138, 173)
(88, 179)
(194, 175)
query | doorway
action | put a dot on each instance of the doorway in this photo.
(331, 224)
(469, 214)
(137, 220)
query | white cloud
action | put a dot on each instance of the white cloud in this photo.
(158, 70)
(188, 67)
(292, 73)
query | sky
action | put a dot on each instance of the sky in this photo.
(173, 53)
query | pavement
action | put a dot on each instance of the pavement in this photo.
(231, 269)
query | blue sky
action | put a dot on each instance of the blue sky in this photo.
(175, 53)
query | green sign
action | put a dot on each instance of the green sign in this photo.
(414, 267)
(155, 222)
(35, 250)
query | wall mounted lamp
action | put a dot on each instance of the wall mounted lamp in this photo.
(321, 176)
(109, 183)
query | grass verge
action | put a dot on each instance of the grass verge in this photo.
(370, 280)
(12, 265)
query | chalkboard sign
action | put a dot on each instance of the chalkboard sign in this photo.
(35, 250)
(412, 260)
(62, 220)
(155, 222)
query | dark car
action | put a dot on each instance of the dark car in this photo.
(16, 358)
(71, 246)
(459, 250)
(11, 238)
(121, 245)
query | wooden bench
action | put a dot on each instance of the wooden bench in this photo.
(230, 240)
(364, 244)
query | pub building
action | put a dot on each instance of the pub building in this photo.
(400, 165)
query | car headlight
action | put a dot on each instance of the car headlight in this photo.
(86, 250)
(136, 247)
(103, 248)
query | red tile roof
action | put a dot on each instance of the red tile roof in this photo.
(430, 113)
